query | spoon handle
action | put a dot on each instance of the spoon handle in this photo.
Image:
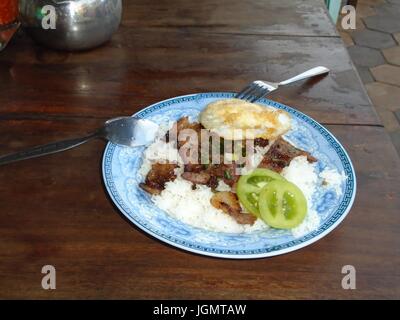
(45, 149)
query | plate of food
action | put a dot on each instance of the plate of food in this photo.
(232, 179)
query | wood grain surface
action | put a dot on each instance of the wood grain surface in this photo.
(55, 210)
(139, 67)
(274, 17)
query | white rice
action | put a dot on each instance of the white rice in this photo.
(302, 174)
(193, 207)
(333, 179)
(222, 186)
(159, 151)
(310, 223)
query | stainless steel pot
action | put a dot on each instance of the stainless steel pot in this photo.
(70, 25)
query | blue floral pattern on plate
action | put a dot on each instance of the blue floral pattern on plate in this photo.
(121, 178)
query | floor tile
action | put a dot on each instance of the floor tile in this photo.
(392, 55)
(384, 95)
(365, 57)
(397, 37)
(365, 74)
(373, 39)
(388, 119)
(372, 2)
(388, 9)
(395, 136)
(376, 38)
(387, 73)
(384, 23)
(347, 39)
(397, 114)
(365, 10)
(359, 24)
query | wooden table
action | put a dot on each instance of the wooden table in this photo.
(55, 210)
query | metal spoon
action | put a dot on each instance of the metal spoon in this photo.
(125, 131)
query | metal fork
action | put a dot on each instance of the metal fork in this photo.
(258, 89)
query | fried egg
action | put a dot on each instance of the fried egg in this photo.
(236, 119)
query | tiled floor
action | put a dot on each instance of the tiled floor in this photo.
(375, 49)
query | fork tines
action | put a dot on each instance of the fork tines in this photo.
(254, 91)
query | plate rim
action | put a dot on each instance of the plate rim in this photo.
(238, 256)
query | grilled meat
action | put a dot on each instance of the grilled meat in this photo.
(280, 154)
(149, 189)
(261, 142)
(193, 167)
(213, 182)
(211, 175)
(229, 203)
(197, 177)
(226, 172)
(159, 174)
(182, 124)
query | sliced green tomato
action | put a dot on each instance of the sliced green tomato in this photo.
(249, 187)
(282, 205)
